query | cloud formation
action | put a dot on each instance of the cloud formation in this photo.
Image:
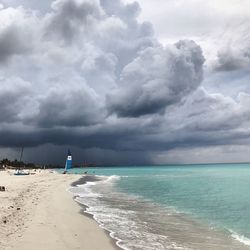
(157, 78)
(88, 74)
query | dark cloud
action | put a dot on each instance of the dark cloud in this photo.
(13, 41)
(88, 75)
(80, 156)
(71, 17)
(230, 60)
(69, 107)
(157, 78)
(13, 95)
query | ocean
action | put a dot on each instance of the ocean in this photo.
(170, 207)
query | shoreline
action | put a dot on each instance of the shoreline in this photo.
(83, 180)
(91, 216)
(189, 233)
(38, 212)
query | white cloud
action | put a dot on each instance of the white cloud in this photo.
(213, 24)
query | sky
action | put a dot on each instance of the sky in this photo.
(125, 82)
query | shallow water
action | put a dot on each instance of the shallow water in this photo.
(173, 207)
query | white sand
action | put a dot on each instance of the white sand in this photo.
(48, 217)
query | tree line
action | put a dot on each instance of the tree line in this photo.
(6, 163)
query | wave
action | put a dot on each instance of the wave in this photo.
(240, 238)
(110, 179)
(117, 213)
(83, 191)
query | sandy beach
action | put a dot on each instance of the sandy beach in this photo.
(37, 212)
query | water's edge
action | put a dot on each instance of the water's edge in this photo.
(84, 180)
(115, 240)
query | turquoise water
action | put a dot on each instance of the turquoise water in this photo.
(217, 196)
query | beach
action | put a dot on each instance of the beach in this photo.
(37, 212)
(176, 207)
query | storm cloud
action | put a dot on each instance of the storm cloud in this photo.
(92, 76)
(157, 78)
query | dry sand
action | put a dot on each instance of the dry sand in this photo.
(36, 212)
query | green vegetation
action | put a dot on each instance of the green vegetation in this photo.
(6, 163)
